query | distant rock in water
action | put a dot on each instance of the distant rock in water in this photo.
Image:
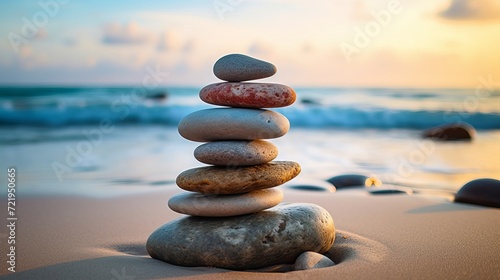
(485, 192)
(309, 101)
(158, 96)
(352, 180)
(451, 132)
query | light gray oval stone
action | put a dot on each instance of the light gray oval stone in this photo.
(311, 260)
(275, 236)
(197, 204)
(236, 153)
(233, 124)
(240, 67)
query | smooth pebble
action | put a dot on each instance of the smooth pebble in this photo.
(236, 153)
(485, 192)
(352, 180)
(275, 236)
(248, 95)
(225, 205)
(240, 67)
(312, 260)
(223, 180)
(233, 124)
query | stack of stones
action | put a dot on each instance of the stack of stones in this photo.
(227, 226)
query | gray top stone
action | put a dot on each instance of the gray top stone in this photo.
(239, 67)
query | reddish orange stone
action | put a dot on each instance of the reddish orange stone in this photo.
(248, 95)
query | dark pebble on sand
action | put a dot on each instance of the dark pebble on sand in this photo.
(351, 181)
(312, 188)
(485, 192)
(389, 189)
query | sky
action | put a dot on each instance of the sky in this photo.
(358, 43)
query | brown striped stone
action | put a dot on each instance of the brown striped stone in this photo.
(224, 180)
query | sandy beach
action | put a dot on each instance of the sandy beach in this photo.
(178, 139)
(380, 237)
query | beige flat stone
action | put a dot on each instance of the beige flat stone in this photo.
(236, 153)
(218, 124)
(226, 180)
(225, 205)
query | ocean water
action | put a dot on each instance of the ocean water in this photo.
(107, 141)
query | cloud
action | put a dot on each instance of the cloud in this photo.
(25, 52)
(70, 42)
(41, 34)
(29, 59)
(189, 46)
(90, 62)
(359, 11)
(260, 49)
(168, 42)
(472, 10)
(306, 48)
(130, 33)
